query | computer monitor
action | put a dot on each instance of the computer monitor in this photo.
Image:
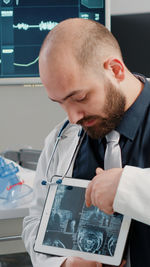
(132, 33)
(24, 25)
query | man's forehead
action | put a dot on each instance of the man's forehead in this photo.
(72, 93)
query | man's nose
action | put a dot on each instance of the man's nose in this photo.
(75, 115)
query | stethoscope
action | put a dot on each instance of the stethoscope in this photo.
(81, 134)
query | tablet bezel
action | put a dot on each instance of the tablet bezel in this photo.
(40, 247)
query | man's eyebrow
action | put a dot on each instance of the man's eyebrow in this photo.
(66, 97)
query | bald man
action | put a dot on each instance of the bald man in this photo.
(82, 69)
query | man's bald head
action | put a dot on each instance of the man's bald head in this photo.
(88, 41)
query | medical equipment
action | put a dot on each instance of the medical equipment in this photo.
(59, 136)
(7, 175)
(12, 187)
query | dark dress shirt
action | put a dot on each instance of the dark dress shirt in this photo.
(134, 129)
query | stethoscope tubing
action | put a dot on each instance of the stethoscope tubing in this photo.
(59, 136)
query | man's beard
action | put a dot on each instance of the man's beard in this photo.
(114, 109)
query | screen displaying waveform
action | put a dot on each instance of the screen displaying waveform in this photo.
(24, 25)
(49, 25)
(7, 2)
(26, 64)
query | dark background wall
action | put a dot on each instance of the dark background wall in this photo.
(133, 34)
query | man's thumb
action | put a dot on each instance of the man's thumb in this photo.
(99, 170)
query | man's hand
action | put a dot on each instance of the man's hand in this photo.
(122, 264)
(102, 189)
(79, 262)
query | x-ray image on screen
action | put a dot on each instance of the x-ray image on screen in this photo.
(25, 23)
(72, 225)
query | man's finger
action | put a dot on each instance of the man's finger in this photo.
(123, 263)
(88, 195)
(99, 170)
(108, 211)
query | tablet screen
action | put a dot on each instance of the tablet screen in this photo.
(74, 226)
(71, 227)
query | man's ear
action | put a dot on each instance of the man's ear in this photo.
(116, 67)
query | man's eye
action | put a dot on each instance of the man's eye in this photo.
(81, 99)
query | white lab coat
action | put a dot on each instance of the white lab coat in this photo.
(132, 197)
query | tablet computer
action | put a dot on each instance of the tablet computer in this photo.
(69, 228)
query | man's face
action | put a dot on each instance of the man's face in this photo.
(97, 125)
(89, 98)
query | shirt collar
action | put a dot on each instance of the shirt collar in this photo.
(135, 114)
